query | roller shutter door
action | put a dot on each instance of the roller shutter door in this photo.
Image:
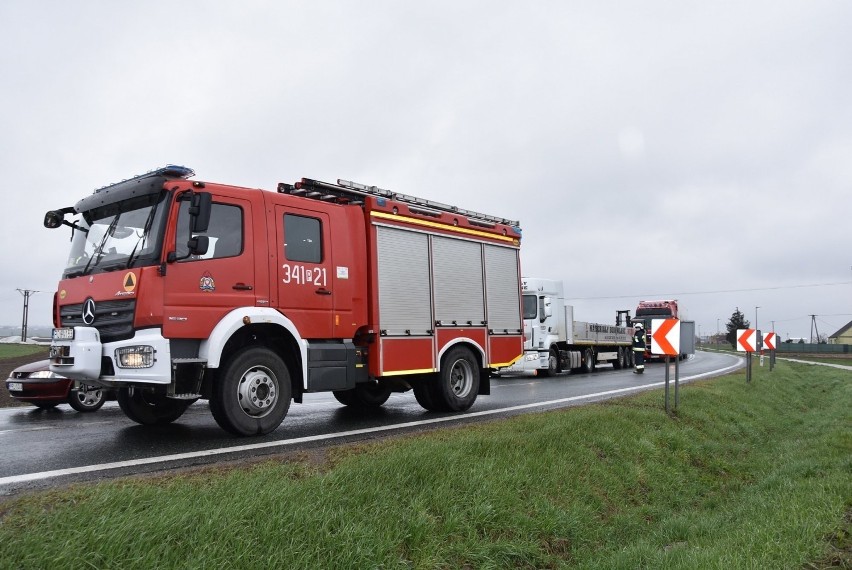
(502, 278)
(459, 291)
(405, 306)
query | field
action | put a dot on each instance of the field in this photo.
(743, 476)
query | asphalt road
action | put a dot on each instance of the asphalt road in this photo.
(43, 448)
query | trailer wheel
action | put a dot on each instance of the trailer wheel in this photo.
(588, 361)
(618, 363)
(458, 381)
(252, 393)
(364, 396)
(149, 409)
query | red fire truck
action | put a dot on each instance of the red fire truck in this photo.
(179, 289)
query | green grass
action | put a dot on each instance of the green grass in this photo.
(843, 360)
(752, 475)
(16, 350)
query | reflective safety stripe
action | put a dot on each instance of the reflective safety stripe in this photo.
(639, 350)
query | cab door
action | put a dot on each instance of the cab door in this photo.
(305, 281)
(200, 289)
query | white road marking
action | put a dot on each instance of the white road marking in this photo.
(330, 436)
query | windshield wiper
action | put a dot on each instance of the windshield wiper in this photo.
(144, 237)
(98, 251)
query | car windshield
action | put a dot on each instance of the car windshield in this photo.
(118, 236)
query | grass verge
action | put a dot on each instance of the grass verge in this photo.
(743, 476)
(16, 350)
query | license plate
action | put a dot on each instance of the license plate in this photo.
(15, 386)
(63, 334)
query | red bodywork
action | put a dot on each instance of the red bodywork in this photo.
(337, 298)
(38, 389)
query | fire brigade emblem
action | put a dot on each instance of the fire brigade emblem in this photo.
(129, 282)
(206, 283)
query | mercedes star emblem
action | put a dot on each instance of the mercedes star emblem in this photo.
(89, 311)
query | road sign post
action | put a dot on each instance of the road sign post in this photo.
(677, 381)
(769, 342)
(665, 339)
(746, 343)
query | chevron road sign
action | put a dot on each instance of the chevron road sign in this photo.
(665, 336)
(769, 341)
(746, 341)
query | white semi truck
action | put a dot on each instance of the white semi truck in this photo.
(555, 342)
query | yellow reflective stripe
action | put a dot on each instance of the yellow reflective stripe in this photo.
(428, 224)
(419, 371)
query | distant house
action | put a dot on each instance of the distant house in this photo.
(843, 335)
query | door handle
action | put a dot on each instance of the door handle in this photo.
(323, 291)
(243, 287)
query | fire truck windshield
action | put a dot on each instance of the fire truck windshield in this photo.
(118, 236)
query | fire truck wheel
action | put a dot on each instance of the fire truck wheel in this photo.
(148, 408)
(423, 392)
(458, 381)
(364, 396)
(588, 361)
(86, 398)
(252, 393)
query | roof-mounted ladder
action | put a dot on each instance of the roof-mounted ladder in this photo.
(346, 191)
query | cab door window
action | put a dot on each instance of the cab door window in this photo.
(302, 239)
(225, 232)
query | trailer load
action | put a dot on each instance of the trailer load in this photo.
(556, 343)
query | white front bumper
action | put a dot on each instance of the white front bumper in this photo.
(82, 358)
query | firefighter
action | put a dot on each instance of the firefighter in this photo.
(639, 348)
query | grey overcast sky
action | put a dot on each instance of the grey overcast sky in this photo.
(695, 150)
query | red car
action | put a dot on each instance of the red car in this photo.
(36, 384)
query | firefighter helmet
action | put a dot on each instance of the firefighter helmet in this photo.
(639, 326)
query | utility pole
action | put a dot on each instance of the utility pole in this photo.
(26, 293)
(814, 328)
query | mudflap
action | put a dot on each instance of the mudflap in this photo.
(485, 383)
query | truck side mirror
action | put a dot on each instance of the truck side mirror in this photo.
(53, 219)
(199, 212)
(198, 245)
(548, 307)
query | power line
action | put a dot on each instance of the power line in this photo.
(26, 293)
(682, 294)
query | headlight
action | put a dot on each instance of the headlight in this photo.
(42, 374)
(135, 357)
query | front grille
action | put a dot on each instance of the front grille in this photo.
(113, 319)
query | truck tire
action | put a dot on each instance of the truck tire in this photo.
(619, 359)
(423, 392)
(363, 396)
(588, 361)
(87, 398)
(552, 365)
(149, 409)
(458, 381)
(252, 392)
